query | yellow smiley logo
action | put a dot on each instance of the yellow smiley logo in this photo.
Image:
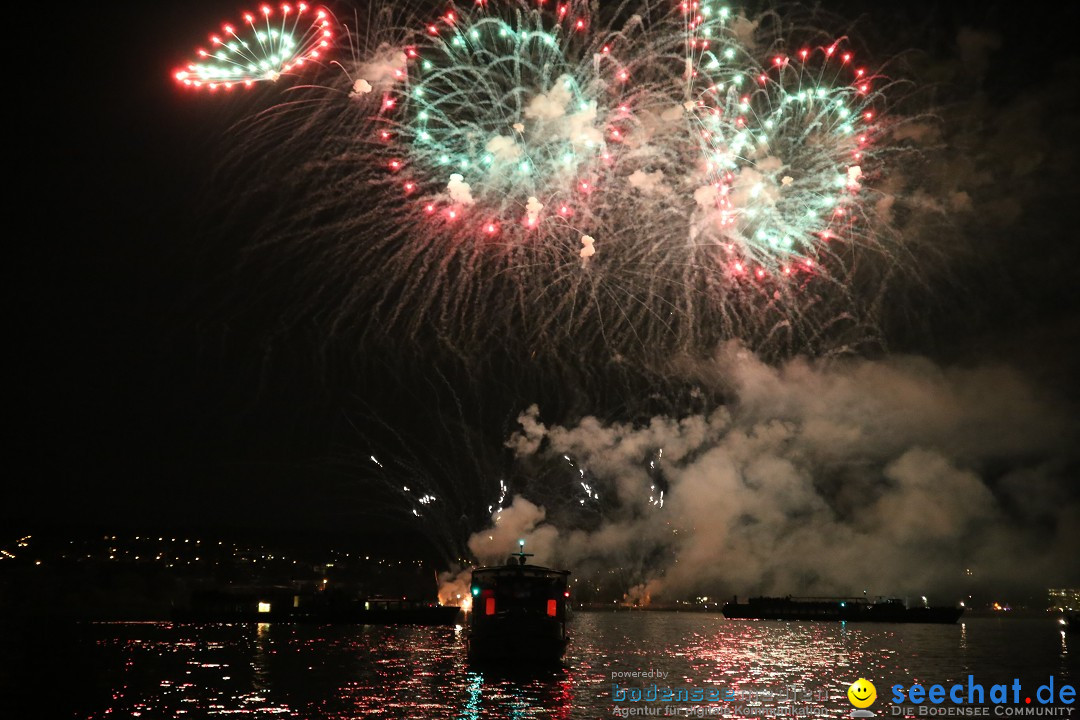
(862, 693)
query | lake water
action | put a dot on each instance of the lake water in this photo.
(161, 670)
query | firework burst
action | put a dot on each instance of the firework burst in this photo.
(268, 43)
(634, 180)
(514, 115)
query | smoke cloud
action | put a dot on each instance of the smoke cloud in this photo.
(895, 476)
(577, 127)
(381, 71)
(588, 247)
(532, 210)
(647, 183)
(459, 190)
(504, 148)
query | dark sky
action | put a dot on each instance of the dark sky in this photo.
(133, 402)
(126, 409)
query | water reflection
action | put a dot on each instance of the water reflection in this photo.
(339, 672)
(528, 693)
(1064, 651)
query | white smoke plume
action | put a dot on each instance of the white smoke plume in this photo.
(521, 520)
(578, 127)
(854, 174)
(552, 104)
(532, 209)
(459, 190)
(581, 127)
(753, 185)
(647, 183)
(744, 30)
(360, 87)
(383, 70)
(588, 248)
(892, 476)
(705, 196)
(503, 148)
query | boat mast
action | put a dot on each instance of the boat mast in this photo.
(520, 554)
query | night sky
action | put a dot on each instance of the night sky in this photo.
(152, 383)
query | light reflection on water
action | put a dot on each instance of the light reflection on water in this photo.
(289, 671)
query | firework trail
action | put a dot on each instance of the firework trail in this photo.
(436, 478)
(620, 182)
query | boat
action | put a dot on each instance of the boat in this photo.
(842, 609)
(518, 612)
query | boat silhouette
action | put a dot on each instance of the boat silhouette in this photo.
(842, 609)
(518, 612)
